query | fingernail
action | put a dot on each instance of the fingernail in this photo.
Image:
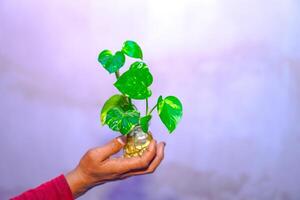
(122, 140)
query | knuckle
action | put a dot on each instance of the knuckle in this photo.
(143, 163)
(90, 153)
(122, 170)
(161, 157)
(116, 173)
(151, 170)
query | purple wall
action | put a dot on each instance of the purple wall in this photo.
(235, 65)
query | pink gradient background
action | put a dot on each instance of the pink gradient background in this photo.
(235, 64)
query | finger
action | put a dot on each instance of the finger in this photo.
(154, 164)
(111, 148)
(124, 165)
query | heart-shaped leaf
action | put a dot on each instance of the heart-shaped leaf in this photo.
(132, 49)
(122, 121)
(169, 111)
(144, 122)
(135, 81)
(116, 100)
(111, 62)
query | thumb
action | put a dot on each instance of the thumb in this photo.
(112, 147)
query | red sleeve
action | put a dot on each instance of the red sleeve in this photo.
(56, 189)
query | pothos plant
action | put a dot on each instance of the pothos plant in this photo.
(119, 111)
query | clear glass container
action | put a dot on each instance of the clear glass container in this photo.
(137, 142)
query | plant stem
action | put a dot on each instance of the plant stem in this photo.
(129, 100)
(117, 73)
(152, 109)
(147, 106)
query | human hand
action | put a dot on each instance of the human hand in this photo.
(97, 166)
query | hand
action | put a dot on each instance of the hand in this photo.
(97, 166)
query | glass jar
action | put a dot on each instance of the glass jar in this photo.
(137, 142)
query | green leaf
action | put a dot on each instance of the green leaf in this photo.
(144, 122)
(116, 100)
(132, 49)
(122, 121)
(169, 111)
(111, 62)
(135, 81)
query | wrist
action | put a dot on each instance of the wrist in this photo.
(77, 182)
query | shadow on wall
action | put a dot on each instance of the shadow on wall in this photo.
(177, 182)
(132, 188)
